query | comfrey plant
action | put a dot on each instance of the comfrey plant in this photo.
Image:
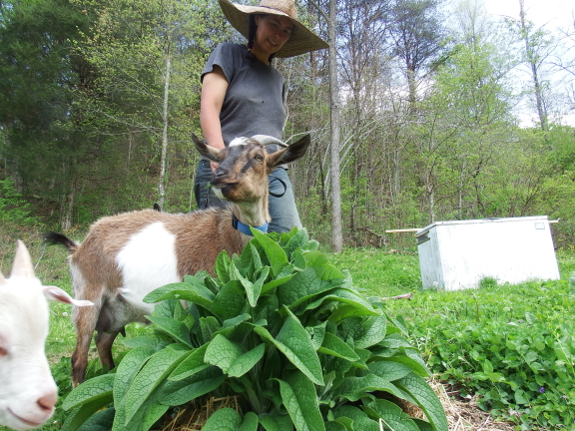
(281, 328)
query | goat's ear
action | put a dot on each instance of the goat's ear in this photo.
(22, 262)
(54, 293)
(291, 153)
(205, 150)
(2, 279)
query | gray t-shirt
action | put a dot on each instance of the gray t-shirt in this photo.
(254, 102)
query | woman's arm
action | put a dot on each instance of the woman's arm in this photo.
(214, 88)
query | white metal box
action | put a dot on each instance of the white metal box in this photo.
(457, 255)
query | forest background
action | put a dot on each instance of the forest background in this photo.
(419, 123)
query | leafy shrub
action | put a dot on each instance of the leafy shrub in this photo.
(515, 355)
(13, 208)
(282, 328)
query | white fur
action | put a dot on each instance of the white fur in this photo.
(28, 392)
(149, 255)
(236, 142)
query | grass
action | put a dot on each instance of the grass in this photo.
(385, 274)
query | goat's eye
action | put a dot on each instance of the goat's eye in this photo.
(259, 158)
(3, 351)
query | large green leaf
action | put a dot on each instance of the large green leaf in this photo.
(389, 370)
(411, 358)
(142, 420)
(250, 259)
(275, 282)
(357, 305)
(225, 419)
(360, 420)
(298, 240)
(364, 331)
(92, 390)
(294, 342)
(102, 420)
(192, 289)
(426, 399)
(175, 393)
(335, 346)
(335, 426)
(135, 342)
(222, 267)
(192, 362)
(173, 327)
(304, 286)
(274, 252)
(300, 400)
(324, 269)
(391, 415)
(275, 422)
(354, 388)
(208, 327)
(228, 419)
(250, 422)
(82, 414)
(230, 301)
(128, 368)
(253, 290)
(231, 357)
(154, 373)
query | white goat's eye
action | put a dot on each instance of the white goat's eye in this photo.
(3, 351)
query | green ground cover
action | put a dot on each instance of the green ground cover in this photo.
(510, 347)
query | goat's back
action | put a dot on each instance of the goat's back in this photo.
(196, 237)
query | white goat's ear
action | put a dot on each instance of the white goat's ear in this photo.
(211, 153)
(2, 279)
(54, 293)
(22, 263)
(290, 153)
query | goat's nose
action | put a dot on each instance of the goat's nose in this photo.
(219, 172)
(48, 400)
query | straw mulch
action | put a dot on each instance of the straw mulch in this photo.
(462, 415)
(193, 416)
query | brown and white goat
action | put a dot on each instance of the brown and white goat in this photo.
(126, 256)
(27, 390)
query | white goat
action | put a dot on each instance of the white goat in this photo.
(124, 257)
(27, 390)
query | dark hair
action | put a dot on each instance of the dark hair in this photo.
(252, 29)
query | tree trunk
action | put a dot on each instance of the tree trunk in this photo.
(336, 233)
(541, 110)
(162, 186)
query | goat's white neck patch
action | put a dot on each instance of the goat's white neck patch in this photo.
(239, 142)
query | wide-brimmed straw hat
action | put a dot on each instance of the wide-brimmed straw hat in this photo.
(300, 41)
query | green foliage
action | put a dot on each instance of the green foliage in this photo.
(510, 348)
(13, 208)
(284, 330)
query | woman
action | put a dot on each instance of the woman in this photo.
(243, 94)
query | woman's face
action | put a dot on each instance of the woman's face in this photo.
(272, 33)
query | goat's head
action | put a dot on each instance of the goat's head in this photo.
(245, 165)
(28, 392)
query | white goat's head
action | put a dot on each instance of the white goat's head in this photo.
(27, 390)
(245, 165)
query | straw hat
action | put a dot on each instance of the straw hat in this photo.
(301, 40)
